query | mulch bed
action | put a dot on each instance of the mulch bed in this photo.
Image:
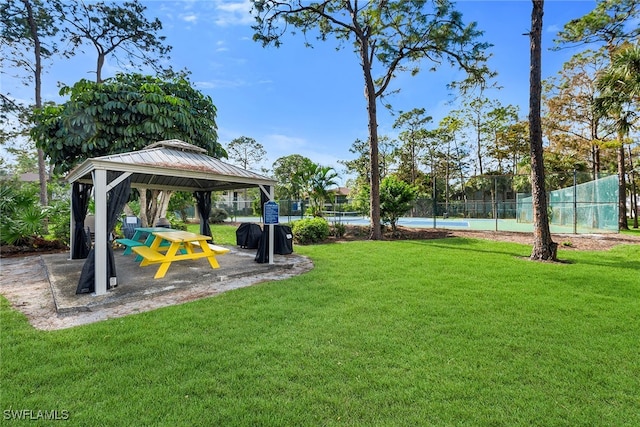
(37, 246)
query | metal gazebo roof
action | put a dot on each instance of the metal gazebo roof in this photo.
(164, 165)
(172, 165)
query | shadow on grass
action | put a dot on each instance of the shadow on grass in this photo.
(467, 244)
(611, 260)
(476, 245)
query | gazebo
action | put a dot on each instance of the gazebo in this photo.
(164, 165)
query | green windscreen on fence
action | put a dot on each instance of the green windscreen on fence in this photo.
(589, 206)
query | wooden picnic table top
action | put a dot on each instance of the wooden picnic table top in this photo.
(180, 236)
(153, 229)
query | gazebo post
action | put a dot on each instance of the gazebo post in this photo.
(271, 227)
(72, 228)
(100, 248)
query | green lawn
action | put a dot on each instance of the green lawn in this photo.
(439, 332)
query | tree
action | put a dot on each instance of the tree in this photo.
(475, 114)
(110, 28)
(500, 119)
(396, 197)
(544, 248)
(26, 26)
(291, 174)
(413, 138)
(126, 113)
(321, 180)
(611, 22)
(246, 152)
(388, 37)
(449, 130)
(571, 123)
(513, 142)
(620, 92)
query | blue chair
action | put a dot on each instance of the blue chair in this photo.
(129, 225)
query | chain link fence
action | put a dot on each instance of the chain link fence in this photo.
(577, 203)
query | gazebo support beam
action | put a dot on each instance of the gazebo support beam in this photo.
(100, 247)
(270, 194)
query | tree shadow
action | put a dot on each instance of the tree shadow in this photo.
(466, 244)
(472, 245)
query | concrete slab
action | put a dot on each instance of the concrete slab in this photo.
(43, 287)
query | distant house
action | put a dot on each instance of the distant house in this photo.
(340, 195)
(237, 202)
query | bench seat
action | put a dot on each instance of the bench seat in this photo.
(218, 250)
(129, 242)
(149, 254)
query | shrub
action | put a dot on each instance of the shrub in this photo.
(218, 216)
(310, 230)
(176, 223)
(338, 229)
(22, 216)
(395, 199)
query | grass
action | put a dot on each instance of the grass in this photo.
(440, 332)
(631, 231)
(222, 234)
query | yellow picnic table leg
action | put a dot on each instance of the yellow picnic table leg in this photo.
(171, 253)
(211, 256)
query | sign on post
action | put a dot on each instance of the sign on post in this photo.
(271, 213)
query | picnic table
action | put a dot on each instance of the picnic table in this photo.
(194, 246)
(141, 233)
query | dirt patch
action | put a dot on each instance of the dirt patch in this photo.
(35, 246)
(583, 242)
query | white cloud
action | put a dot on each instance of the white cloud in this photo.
(233, 13)
(191, 18)
(220, 83)
(221, 46)
(284, 143)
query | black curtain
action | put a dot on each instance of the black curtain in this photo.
(264, 198)
(80, 196)
(204, 210)
(263, 246)
(117, 197)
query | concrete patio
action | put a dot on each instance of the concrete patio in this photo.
(43, 287)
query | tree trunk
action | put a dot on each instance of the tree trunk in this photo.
(165, 198)
(99, 65)
(370, 95)
(144, 221)
(42, 172)
(622, 187)
(634, 192)
(543, 246)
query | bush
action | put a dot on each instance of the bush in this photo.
(310, 230)
(395, 199)
(338, 229)
(218, 216)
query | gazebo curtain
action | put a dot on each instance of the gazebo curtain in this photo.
(117, 197)
(204, 210)
(80, 194)
(264, 198)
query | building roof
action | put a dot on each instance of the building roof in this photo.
(172, 165)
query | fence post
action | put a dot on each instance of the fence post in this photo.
(495, 200)
(434, 200)
(575, 201)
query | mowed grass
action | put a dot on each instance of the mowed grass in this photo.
(441, 332)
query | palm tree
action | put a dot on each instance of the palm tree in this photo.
(620, 91)
(322, 179)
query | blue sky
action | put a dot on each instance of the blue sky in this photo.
(309, 101)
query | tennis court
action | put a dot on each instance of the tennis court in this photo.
(444, 223)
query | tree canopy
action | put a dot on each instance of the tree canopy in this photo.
(124, 113)
(245, 151)
(112, 29)
(388, 37)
